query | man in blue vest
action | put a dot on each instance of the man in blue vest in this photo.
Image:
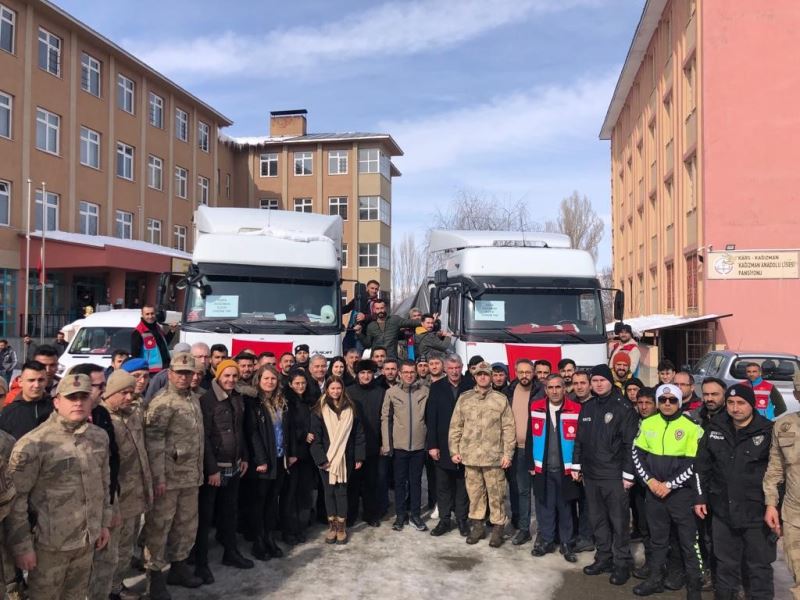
(149, 342)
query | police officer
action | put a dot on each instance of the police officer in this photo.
(602, 456)
(136, 484)
(730, 467)
(60, 471)
(483, 439)
(174, 441)
(663, 455)
(784, 468)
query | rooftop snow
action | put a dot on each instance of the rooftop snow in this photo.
(101, 241)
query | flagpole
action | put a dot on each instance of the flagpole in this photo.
(25, 326)
(43, 276)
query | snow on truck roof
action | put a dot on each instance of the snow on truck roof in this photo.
(253, 236)
(451, 240)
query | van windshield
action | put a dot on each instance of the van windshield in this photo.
(533, 311)
(101, 340)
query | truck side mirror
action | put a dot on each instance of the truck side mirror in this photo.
(434, 301)
(619, 305)
(440, 277)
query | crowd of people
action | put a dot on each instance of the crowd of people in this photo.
(134, 466)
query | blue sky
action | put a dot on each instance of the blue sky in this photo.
(504, 97)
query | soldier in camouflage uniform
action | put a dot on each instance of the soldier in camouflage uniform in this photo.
(7, 492)
(61, 473)
(174, 441)
(482, 438)
(136, 485)
(784, 467)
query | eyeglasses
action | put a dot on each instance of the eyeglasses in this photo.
(668, 399)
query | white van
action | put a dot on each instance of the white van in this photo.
(94, 338)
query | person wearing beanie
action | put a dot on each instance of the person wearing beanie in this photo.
(366, 484)
(621, 369)
(631, 389)
(602, 455)
(663, 455)
(141, 372)
(626, 343)
(135, 481)
(499, 377)
(731, 465)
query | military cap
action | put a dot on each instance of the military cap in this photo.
(483, 367)
(74, 384)
(182, 361)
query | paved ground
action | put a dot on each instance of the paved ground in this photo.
(411, 565)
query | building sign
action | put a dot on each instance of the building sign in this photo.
(181, 265)
(755, 264)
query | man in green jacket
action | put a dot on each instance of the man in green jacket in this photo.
(384, 330)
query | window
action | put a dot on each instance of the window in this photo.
(124, 225)
(337, 205)
(181, 125)
(125, 93)
(89, 218)
(691, 182)
(181, 182)
(202, 136)
(5, 115)
(125, 161)
(303, 163)
(180, 238)
(5, 201)
(344, 255)
(155, 172)
(692, 295)
(269, 165)
(373, 255)
(337, 162)
(90, 148)
(90, 74)
(47, 131)
(51, 211)
(374, 208)
(156, 110)
(269, 203)
(302, 205)
(369, 160)
(8, 20)
(690, 86)
(154, 231)
(49, 52)
(228, 186)
(202, 189)
(670, 276)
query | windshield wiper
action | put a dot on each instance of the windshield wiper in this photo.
(302, 324)
(214, 329)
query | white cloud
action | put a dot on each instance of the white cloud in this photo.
(524, 120)
(398, 28)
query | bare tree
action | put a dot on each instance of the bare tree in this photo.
(409, 267)
(607, 281)
(481, 211)
(577, 219)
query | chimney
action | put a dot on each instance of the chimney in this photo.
(287, 122)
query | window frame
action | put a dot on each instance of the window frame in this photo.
(152, 229)
(203, 190)
(203, 132)
(85, 212)
(303, 202)
(86, 140)
(181, 125)
(381, 211)
(152, 169)
(48, 126)
(9, 108)
(338, 156)
(366, 255)
(300, 159)
(179, 236)
(181, 182)
(87, 70)
(122, 151)
(50, 49)
(5, 219)
(271, 203)
(120, 224)
(155, 103)
(124, 92)
(335, 202)
(344, 254)
(11, 19)
(270, 161)
(364, 164)
(46, 205)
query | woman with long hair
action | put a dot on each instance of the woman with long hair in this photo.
(269, 432)
(336, 368)
(338, 450)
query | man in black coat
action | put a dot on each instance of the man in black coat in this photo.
(32, 406)
(368, 398)
(451, 491)
(730, 466)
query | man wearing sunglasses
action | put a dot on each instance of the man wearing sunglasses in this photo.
(663, 454)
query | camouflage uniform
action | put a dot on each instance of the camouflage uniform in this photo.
(174, 441)
(7, 493)
(136, 485)
(55, 469)
(482, 432)
(784, 466)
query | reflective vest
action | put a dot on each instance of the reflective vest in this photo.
(762, 392)
(568, 430)
(150, 350)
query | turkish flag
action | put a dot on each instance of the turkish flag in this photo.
(277, 348)
(516, 351)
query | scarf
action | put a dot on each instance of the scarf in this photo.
(339, 428)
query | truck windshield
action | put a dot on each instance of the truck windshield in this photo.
(525, 311)
(256, 299)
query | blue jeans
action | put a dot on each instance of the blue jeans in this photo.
(520, 481)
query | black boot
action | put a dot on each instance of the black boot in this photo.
(598, 568)
(442, 527)
(259, 550)
(569, 554)
(233, 558)
(272, 547)
(463, 527)
(204, 573)
(540, 548)
(694, 590)
(620, 575)
(642, 572)
(653, 585)
(158, 586)
(181, 574)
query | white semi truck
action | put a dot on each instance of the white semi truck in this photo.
(263, 280)
(508, 295)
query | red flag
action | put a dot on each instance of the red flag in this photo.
(40, 267)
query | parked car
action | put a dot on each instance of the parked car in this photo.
(94, 338)
(728, 365)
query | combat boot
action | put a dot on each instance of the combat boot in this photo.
(341, 530)
(272, 546)
(330, 535)
(497, 536)
(653, 585)
(158, 586)
(180, 574)
(477, 532)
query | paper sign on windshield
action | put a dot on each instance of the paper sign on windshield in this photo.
(490, 310)
(222, 306)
